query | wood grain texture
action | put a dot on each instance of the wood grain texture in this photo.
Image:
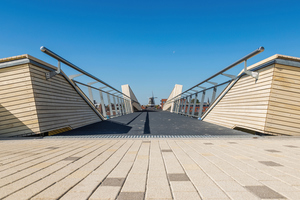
(284, 109)
(17, 105)
(30, 104)
(271, 105)
(246, 103)
(58, 103)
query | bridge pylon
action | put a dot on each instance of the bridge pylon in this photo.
(176, 91)
(132, 104)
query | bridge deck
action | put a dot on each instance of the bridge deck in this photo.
(151, 122)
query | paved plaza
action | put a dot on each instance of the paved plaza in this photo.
(208, 168)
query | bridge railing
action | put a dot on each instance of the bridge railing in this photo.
(192, 101)
(112, 102)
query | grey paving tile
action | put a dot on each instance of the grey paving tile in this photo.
(264, 192)
(113, 182)
(178, 177)
(232, 142)
(72, 158)
(146, 141)
(131, 196)
(52, 147)
(166, 150)
(272, 150)
(208, 143)
(270, 163)
(291, 146)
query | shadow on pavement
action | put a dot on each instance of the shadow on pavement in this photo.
(104, 127)
(153, 122)
(147, 126)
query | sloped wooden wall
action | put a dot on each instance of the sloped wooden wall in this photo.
(58, 104)
(284, 106)
(30, 104)
(246, 103)
(18, 114)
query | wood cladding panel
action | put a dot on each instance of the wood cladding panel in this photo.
(247, 100)
(30, 104)
(21, 131)
(272, 105)
(284, 109)
(13, 70)
(9, 116)
(58, 104)
(11, 88)
(17, 105)
(246, 103)
(224, 122)
(7, 83)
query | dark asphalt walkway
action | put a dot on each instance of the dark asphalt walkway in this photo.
(153, 123)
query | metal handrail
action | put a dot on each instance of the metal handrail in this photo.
(100, 90)
(59, 58)
(245, 58)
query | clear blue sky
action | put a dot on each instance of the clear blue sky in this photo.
(150, 45)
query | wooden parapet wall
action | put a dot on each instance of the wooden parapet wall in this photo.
(133, 105)
(30, 104)
(176, 91)
(18, 113)
(246, 103)
(284, 106)
(269, 105)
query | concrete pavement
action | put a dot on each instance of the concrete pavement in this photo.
(220, 168)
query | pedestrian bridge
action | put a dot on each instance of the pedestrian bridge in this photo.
(37, 98)
(152, 124)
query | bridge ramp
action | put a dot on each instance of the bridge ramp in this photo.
(30, 104)
(269, 105)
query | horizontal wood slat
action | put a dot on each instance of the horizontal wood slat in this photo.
(8, 115)
(13, 69)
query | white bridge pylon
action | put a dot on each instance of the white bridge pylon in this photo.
(176, 91)
(134, 104)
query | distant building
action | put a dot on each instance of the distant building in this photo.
(197, 107)
(162, 102)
